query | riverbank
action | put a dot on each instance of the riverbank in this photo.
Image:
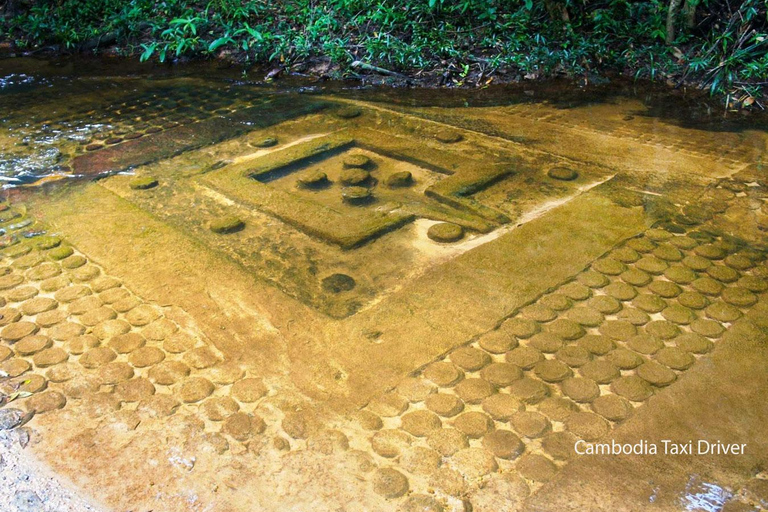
(473, 43)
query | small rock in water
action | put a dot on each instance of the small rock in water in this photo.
(229, 224)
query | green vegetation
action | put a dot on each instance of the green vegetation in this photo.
(718, 44)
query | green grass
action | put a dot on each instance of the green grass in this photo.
(726, 49)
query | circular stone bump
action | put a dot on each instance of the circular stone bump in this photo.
(634, 316)
(160, 329)
(219, 407)
(502, 406)
(668, 253)
(356, 195)
(536, 467)
(522, 328)
(566, 329)
(44, 243)
(501, 374)
(143, 183)
(389, 483)
(227, 224)
(30, 383)
(525, 357)
(552, 370)
(448, 136)
(445, 232)
(45, 401)
(104, 283)
(146, 356)
(576, 291)
(50, 357)
(695, 343)
(473, 391)
(739, 262)
(612, 407)
(111, 328)
(368, 421)
(470, 358)
(609, 266)
(73, 262)
(645, 344)
(16, 331)
(249, 390)
(115, 373)
(5, 353)
(696, 263)
(112, 295)
(420, 423)
(658, 234)
(556, 301)
(723, 274)
(706, 327)
(313, 180)
(675, 358)
(390, 443)
(656, 374)
(720, 311)
(497, 342)
(580, 389)
(583, 315)
(649, 303)
(597, 344)
(347, 112)
(443, 373)
(474, 424)
(587, 425)
(618, 329)
(421, 503)
(201, 357)
(444, 404)
(73, 293)
(546, 342)
(652, 265)
(266, 142)
(539, 313)
(600, 371)
(32, 345)
(445, 441)
(10, 281)
(97, 316)
(399, 179)
(693, 300)
(562, 173)
(662, 329)
(736, 296)
(621, 291)
(415, 389)
(604, 304)
(142, 315)
(529, 390)
(21, 294)
(84, 304)
(356, 161)
(168, 372)
(44, 271)
(559, 445)
(666, 289)
(626, 254)
(50, 318)
(530, 424)
(127, 342)
(711, 252)
(474, 463)
(354, 176)
(625, 359)
(632, 388)
(680, 275)
(679, 314)
(707, 286)
(135, 390)
(685, 243)
(338, 283)
(38, 305)
(592, 279)
(574, 355)
(15, 366)
(97, 356)
(242, 426)
(195, 389)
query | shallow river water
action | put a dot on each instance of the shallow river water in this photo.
(220, 294)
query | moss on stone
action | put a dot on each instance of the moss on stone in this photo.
(445, 232)
(399, 179)
(227, 224)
